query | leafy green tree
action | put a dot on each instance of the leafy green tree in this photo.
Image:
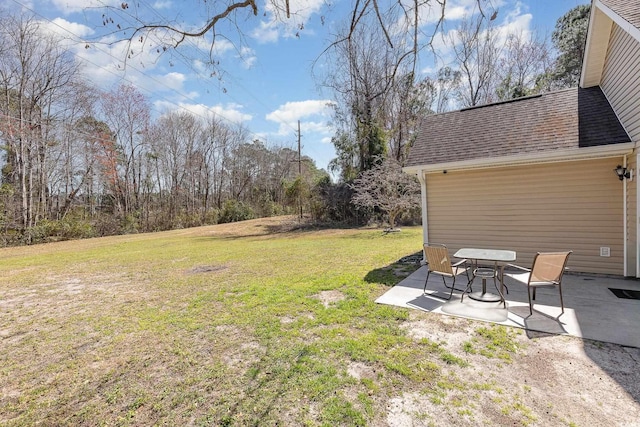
(297, 191)
(569, 38)
(373, 145)
(345, 162)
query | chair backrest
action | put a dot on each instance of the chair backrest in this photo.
(549, 266)
(438, 260)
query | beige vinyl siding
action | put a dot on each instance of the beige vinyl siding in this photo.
(561, 206)
(621, 80)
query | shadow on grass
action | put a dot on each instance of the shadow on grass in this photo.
(275, 230)
(393, 273)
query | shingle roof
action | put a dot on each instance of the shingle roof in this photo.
(629, 10)
(566, 119)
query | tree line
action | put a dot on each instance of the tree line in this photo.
(81, 162)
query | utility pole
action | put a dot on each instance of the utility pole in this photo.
(299, 171)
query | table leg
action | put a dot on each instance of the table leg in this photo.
(485, 296)
(501, 290)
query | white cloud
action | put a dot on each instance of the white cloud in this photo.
(170, 81)
(316, 127)
(509, 21)
(230, 112)
(248, 57)
(103, 67)
(202, 48)
(455, 10)
(107, 60)
(431, 12)
(516, 25)
(67, 29)
(163, 4)
(199, 66)
(287, 116)
(69, 35)
(292, 111)
(277, 24)
(72, 6)
(267, 32)
(27, 5)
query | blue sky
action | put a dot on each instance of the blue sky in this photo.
(266, 81)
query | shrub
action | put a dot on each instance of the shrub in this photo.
(107, 225)
(131, 224)
(211, 217)
(234, 210)
(67, 228)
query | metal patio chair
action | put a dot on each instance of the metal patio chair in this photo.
(546, 271)
(439, 262)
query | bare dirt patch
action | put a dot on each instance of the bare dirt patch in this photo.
(551, 380)
(359, 370)
(329, 298)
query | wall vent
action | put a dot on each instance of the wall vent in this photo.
(605, 251)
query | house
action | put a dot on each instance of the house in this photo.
(537, 173)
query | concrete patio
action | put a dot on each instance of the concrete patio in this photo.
(592, 311)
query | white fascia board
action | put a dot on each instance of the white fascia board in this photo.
(621, 22)
(576, 154)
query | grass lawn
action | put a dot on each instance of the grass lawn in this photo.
(233, 325)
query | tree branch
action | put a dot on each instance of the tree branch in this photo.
(211, 24)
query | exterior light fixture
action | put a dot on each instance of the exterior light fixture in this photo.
(623, 172)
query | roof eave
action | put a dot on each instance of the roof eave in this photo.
(620, 21)
(575, 154)
(596, 59)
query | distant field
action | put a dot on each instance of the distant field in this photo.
(235, 324)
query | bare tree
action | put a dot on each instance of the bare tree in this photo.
(477, 51)
(127, 113)
(37, 80)
(218, 141)
(360, 73)
(176, 137)
(525, 57)
(377, 99)
(446, 83)
(75, 159)
(408, 102)
(387, 188)
(92, 141)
